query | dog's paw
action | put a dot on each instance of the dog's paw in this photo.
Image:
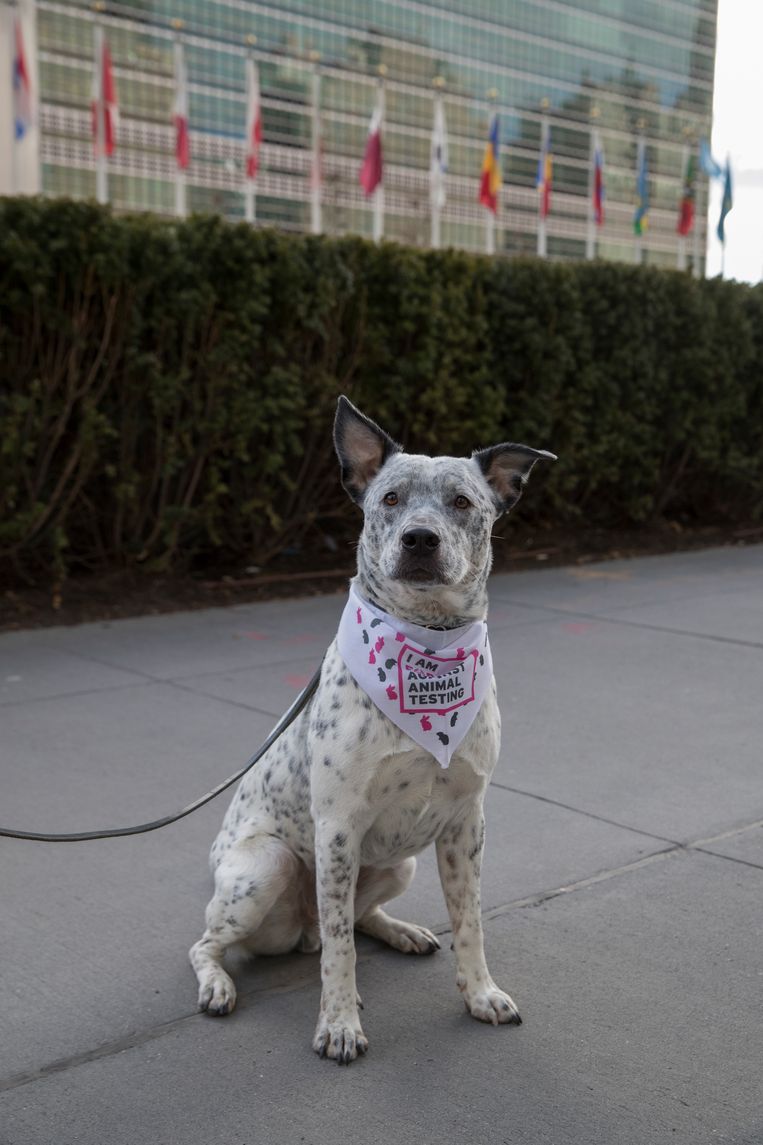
(492, 1005)
(217, 995)
(341, 1040)
(404, 936)
(412, 939)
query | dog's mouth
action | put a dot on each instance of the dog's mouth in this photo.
(419, 572)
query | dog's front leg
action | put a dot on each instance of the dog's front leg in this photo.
(459, 859)
(338, 1034)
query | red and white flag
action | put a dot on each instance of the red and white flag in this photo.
(22, 87)
(372, 167)
(180, 110)
(253, 120)
(104, 97)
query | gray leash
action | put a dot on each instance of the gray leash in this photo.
(81, 836)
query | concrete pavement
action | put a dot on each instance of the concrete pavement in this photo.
(623, 882)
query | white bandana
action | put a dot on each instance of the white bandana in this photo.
(430, 683)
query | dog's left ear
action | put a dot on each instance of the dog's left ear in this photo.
(506, 468)
(361, 446)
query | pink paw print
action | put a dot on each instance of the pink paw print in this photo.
(359, 616)
(379, 644)
(426, 724)
(372, 657)
(399, 636)
(391, 693)
(460, 653)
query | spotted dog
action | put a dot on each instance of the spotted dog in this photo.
(325, 829)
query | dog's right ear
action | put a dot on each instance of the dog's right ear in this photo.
(361, 446)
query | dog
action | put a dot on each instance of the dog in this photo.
(326, 829)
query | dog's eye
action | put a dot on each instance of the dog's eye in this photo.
(462, 502)
(390, 498)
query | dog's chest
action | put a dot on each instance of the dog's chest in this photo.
(414, 800)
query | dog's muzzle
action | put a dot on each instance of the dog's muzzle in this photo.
(419, 558)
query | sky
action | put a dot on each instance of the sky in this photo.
(737, 115)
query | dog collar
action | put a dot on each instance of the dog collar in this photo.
(430, 683)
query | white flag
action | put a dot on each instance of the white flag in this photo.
(439, 160)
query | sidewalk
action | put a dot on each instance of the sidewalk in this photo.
(623, 882)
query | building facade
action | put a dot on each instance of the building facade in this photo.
(627, 67)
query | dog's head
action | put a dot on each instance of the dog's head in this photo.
(424, 552)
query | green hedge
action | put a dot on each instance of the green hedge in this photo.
(167, 389)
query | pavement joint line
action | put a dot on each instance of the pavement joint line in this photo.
(646, 603)
(573, 612)
(588, 814)
(730, 858)
(243, 668)
(89, 658)
(613, 872)
(66, 695)
(146, 678)
(223, 699)
(132, 1041)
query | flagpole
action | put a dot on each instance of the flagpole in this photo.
(179, 67)
(696, 252)
(590, 244)
(250, 194)
(434, 195)
(101, 159)
(316, 222)
(379, 190)
(542, 245)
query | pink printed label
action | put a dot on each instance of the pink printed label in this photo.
(434, 684)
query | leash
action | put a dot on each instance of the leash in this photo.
(81, 836)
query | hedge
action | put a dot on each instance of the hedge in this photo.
(167, 388)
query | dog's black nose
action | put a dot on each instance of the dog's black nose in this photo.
(423, 542)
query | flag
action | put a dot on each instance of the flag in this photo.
(641, 216)
(598, 181)
(490, 183)
(439, 159)
(22, 87)
(104, 96)
(545, 170)
(180, 111)
(686, 210)
(372, 167)
(709, 165)
(727, 203)
(253, 119)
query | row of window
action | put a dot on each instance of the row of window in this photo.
(581, 20)
(523, 72)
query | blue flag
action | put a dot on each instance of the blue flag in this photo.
(641, 216)
(726, 204)
(709, 165)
